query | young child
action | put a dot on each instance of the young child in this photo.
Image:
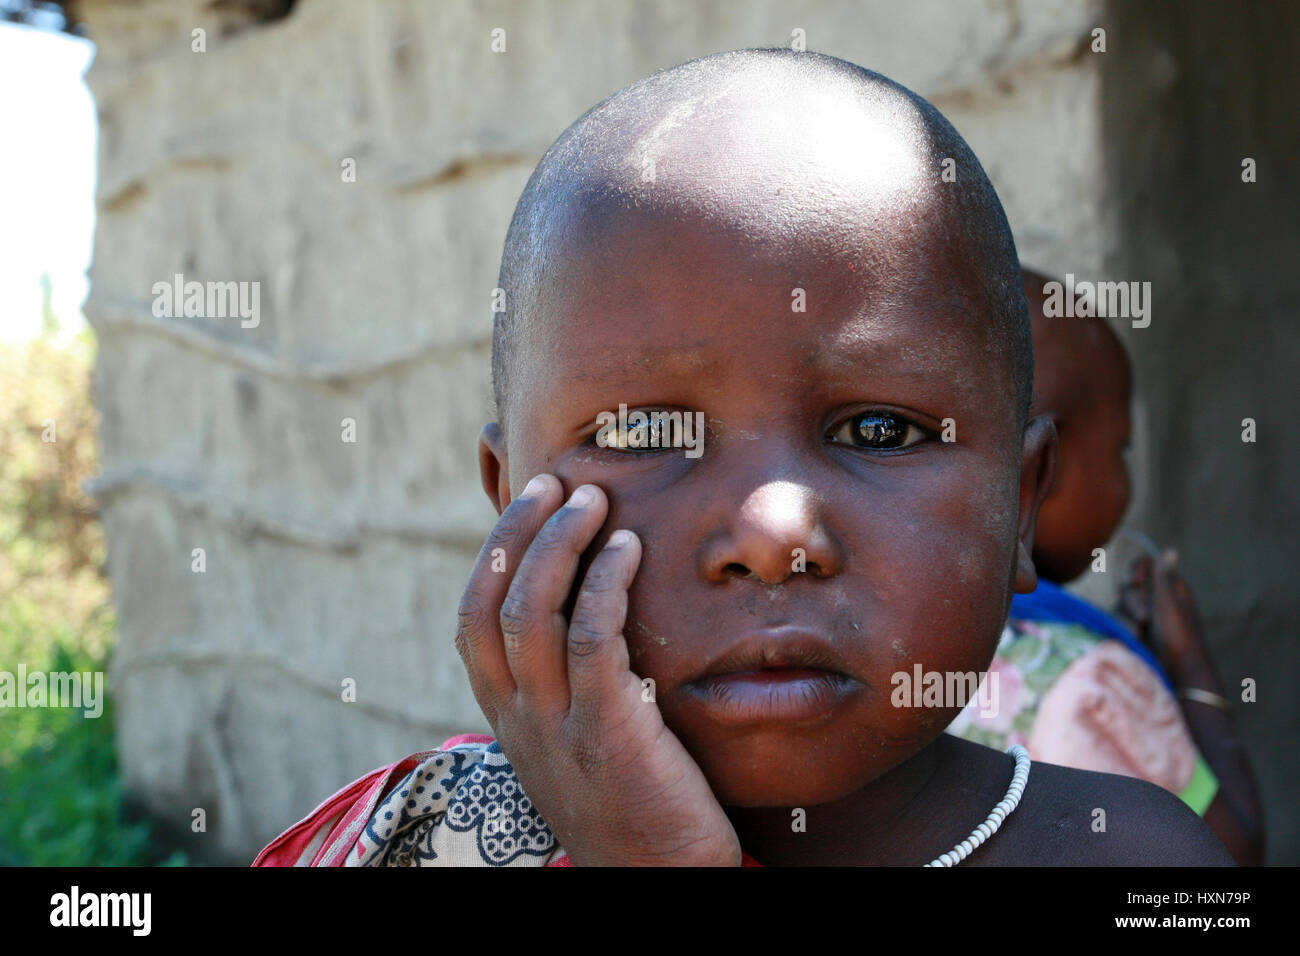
(1078, 688)
(687, 653)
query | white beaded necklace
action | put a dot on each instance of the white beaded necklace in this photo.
(1003, 810)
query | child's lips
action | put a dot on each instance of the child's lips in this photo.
(779, 675)
(775, 694)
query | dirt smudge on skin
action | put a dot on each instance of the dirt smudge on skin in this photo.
(645, 633)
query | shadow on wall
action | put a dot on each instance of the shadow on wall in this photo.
(1192, 92)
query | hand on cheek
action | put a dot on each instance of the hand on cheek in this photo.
(612, 782)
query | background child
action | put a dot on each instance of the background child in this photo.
(683, 656)
(1083, 691)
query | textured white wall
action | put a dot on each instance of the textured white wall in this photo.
(327, 560)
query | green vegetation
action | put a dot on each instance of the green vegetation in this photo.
(61, 798)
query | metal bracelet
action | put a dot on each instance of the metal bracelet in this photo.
(1205, 697)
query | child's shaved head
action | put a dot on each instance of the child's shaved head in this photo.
(784, 149)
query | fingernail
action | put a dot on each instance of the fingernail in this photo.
(584, 496)
(618, 539)
(534, 488)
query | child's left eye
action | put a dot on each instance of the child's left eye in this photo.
(879, 431)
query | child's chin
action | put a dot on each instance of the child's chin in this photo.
(787, 783)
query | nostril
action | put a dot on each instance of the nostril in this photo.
(739, 570)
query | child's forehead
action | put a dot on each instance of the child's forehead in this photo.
(765, 183)
(659, 296)
(622, 265)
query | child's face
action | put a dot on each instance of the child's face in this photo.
(1082, 380)
(1092, 490)
(911, 554)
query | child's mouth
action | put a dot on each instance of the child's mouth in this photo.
(781, 675)
(772, 694)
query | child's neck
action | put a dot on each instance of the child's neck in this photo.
(905, 817)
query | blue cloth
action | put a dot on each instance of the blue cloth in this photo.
(1050, 602)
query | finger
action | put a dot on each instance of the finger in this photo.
(1140, 572)
(1165, 574)
(597, 656)
(1175, 588)
(1144, 577)
(533, 624)
(478, 630)
(1134, 606)
(1173, 614)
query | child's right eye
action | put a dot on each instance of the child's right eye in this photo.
(878, 431)
(644, 435)
(646, 431)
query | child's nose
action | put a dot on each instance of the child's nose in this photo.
(776, 532)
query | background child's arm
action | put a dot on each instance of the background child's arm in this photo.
(1161, 602)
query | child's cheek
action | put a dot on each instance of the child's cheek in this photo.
(956, 564)
(983, 562)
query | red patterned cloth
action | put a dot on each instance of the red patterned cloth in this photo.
(459, 805)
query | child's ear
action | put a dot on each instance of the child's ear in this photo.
(494, 466)
(1037, 470)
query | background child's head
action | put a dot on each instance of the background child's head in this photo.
(769, 238)
(1082, 381)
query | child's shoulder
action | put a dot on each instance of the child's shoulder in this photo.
(1070, 817)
